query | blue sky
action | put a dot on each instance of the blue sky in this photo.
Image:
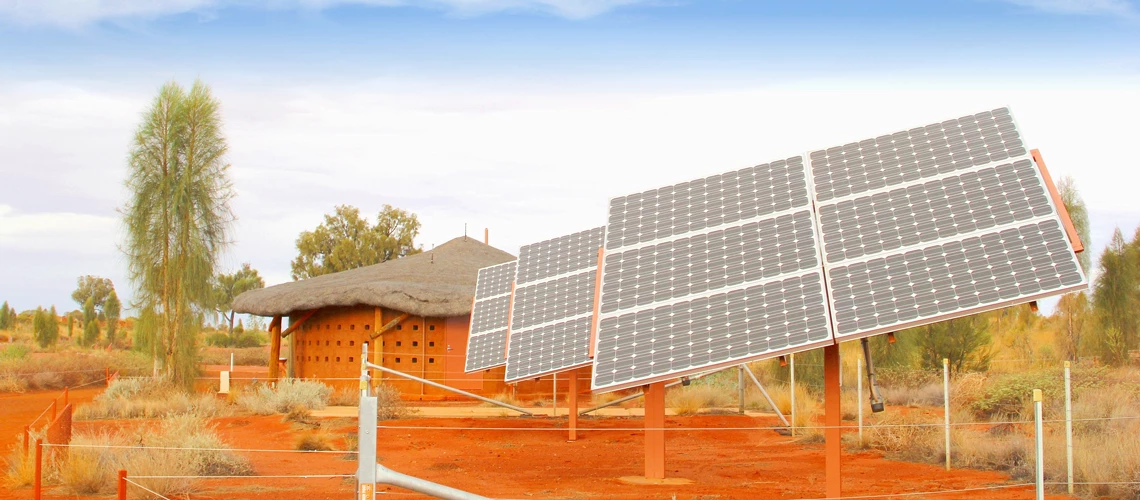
(524, 116)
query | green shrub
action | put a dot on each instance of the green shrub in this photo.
(1010, 394)
(250, 339)
(218, 340)
(15, 351)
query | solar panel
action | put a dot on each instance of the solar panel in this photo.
(554, 304)
(709, 273)
(486, 342)
(937, 222)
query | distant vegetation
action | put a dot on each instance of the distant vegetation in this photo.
(348, 241)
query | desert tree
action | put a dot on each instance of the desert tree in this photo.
(346, 240)
(5, 316)
(90, 323)
(1079, 214)
(1115, 300)
(966, 342)
(177, 220)
(228, 286)
(93, 287)
(112, 308)
(1075, 312)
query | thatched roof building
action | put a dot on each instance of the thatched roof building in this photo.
(437, 283)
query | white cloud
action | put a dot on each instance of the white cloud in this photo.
(528, 164)
(1123, 8)
(79, 13)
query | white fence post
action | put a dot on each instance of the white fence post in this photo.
(792, 363)
(946, 406)
(1069, 428)
(1038, 435)
(859, 394)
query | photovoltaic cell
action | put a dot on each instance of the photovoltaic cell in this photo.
(487, 337)
(709, 273)
(554, 301)
(937, 222)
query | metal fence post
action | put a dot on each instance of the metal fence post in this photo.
(792, 364)
(946, 406)
(366, 434)
(859, 394)
(740, 387)
(122, 485)
(1069, 428)
(37, 483)
(1039, 436)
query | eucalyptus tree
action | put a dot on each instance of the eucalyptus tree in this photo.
(1115, 300)
(228, 286)
(177, 220)
(1075, 309)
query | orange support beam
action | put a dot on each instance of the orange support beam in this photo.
(832, 419)
(597, 301)
(572, 403)
(655, 431)
(274, 348)
(1070, 230)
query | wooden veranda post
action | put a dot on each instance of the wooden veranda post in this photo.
(832, 419)
(274, 348)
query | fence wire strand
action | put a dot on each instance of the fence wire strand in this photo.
(124, 447)
(924, 493)
(148, 490)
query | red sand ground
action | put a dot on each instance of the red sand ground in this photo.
(541, 464)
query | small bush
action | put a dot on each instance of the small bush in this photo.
(9, 383)
(21, 468)
(1007, 396)
(246, 356)
(313, 441)
(15, 351)
(288, 394)
(389, 405)
(218, 340)
(697, 396)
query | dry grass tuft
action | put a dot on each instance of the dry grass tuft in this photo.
(697, 396)
(91, 471)
(147, 398)
(85, 472)
(504, 397)
(389, 404)
(313, 441)
(287, 395)
(21, 469)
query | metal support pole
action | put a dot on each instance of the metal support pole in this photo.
(1068, 428)
(859, 395)
(122, 493)
(766, 396)
(572, 403)
(655, 431)
(366, 470)
(832, 418)
(792, 371)
(1039, 437)
(37, 483)
(946, 407)
(740, 387)
(385, 475)
(554, 395)
(446, 388)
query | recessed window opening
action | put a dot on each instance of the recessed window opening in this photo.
(431, 328)
(351, 343)
(338, 327)
(431, 344)
(398, 343)
(367, 327)
(338, 359)
(414, 360)
(415, 343)
(351, 327)
(397, 360)
(431, 360)
(350, 359)
(415, 327)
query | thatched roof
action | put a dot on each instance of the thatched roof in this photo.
(437, 283)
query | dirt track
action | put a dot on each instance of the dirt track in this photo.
(729, 464)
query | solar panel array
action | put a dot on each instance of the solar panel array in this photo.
(554, 300)
(708, 273)
(937, 222)
(486, 342)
